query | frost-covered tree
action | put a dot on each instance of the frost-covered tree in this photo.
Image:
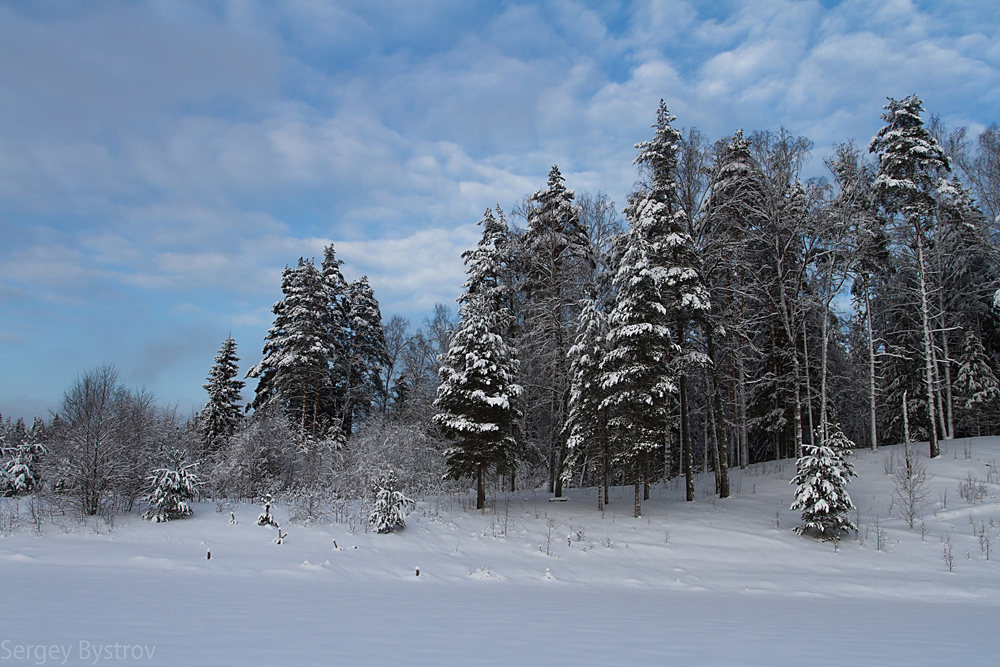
(488, 265)
(171, 488)
(821, 491)
(20, 462)
(587, 421)
(222, 413)
(910, 161)
(870, 266)
(391, 504)
(557, 263)
(258, 458)
(366, 354)
(477, 399)
(683, 293)
(102, 442)
(294, 372)
(733, 209)
(784, 243)
(977, 386)
(637, 375)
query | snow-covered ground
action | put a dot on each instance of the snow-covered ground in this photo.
(703, 583)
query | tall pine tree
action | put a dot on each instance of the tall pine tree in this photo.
(910, 161)
(557, 263)
(366, 353)
(222, 413)
(294, 373)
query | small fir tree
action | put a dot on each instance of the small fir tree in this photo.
(222, 413)
(976, 386)
(822, 478)
(21, 474)
(21, 458)
(266, 518)
(171, 488)
(976, 383)
(391, 504)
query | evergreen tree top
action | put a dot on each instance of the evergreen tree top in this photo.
(909, 156)
(660, 153)
(485, 263)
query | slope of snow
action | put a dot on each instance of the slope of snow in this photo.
(710, 582)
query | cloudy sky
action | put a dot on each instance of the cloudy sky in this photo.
(161, 161)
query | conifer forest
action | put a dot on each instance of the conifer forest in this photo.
(731, 312)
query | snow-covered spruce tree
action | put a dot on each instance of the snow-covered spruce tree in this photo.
(477, 398)
(391, 504)
(682, 290)
(171, 489)
(294, 372)
(366, 354)
(822, 479)
(977, 386)
(557, 261)
(488, 264)
(20, 470)
(222, 413)
(489, 267)
(910, 161)
(335, 293)
(637, 375)
(587, 421)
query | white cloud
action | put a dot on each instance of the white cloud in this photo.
(177, 156)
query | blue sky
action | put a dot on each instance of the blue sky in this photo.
(161, 162)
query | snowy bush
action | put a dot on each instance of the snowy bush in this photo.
(19, 474)
(414, 455)
(171, 488)
(265, 518)
(822, 478)
(258, 458)
(309, 504)
(390, 505)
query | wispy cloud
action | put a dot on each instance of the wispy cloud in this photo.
(161, 163)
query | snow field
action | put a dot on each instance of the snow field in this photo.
(710, 582)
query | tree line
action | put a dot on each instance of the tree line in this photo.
(737, 313)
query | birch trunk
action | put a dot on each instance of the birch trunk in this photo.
(935, 449)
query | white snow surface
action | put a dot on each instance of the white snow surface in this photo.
(713, 582)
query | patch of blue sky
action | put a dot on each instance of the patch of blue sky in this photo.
(161, 162)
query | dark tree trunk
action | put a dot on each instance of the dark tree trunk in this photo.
(686, 441)
(480, 488)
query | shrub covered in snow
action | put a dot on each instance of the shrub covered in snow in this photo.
(266, 518)
(390, 505)
(171, 487)
(19, 473)
(823, 475)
